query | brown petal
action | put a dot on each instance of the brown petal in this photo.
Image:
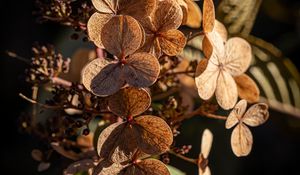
(154, 134)
(37, 155)
(152, 46)
(237, 56)
(247, 88)
(208, 15)
(129, 101)
(256, 115)
(241, 140)
(121, 36)
(167, 16)
(105, 6)
(148, 167)
(207, 82)
(206, 142)
(194, 14)
(95, 25)
(207, 47)
(105, 167)
(136, 8)
(184, 9)
(141, 69)
(79, 166)
(236, 114)
(201, 67)
(117, 143)
(172, 42)
(108, 81)
(226, 92)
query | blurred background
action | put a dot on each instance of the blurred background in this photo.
(276, 147)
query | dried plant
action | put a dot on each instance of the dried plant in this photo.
(133, 91)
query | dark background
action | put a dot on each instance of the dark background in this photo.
(276, 144)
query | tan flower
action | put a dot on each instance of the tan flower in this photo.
(241, 137)
(121, 36)
(226, 61)
(162, 35)
(106, 9)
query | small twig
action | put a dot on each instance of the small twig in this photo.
(194, 161)
(60, 81)
(40, 104)
(195, 35)
(14, 55)
(35, 90)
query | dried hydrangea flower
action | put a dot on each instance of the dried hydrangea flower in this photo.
(106, 9)
(191, 12)
(122, 36)
(241, 137)
(162, 35)
(120, 141)
(206, 142)
(137, 167)
(231, 59)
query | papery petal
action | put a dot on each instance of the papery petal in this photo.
(256, 115)
(236, 114)
(172, 42)
(241, 140)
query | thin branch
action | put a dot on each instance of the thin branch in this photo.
(191, 160)
(14, 55)
(164, 94)
(194, 35)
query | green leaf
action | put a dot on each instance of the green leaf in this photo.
(175, 171)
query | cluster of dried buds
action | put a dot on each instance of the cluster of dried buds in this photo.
(46, 64)
(130, 87)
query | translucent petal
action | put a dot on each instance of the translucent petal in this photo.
(236, 114)
(256, 115)
(241, 140)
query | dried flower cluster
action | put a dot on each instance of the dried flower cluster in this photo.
(139, 93)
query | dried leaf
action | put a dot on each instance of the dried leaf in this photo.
(121, 36)
(247, 88)
(136, 8)
(154, 134)
(206, 142)
(241, 140)
(61, 150)
(148, 167)
(95, 26)
(172, 42)
(208, 15)
(167, 16)
(129, 101)
(236, 114)
(238, 56)
(105, 167)
(79, 166)
(43, 166)
(108, 81)
(201, 67)
(194, 14)
(141, 69)
(256, 115)
(207, 81)
(37, 155)
(105, 6)
(226, 91)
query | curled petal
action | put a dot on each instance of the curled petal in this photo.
(237, 56)
(208, 15)
(194, 15)
(256, 115)
(172, 42)
(105, 6)
(236, 114)
(226, 92)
